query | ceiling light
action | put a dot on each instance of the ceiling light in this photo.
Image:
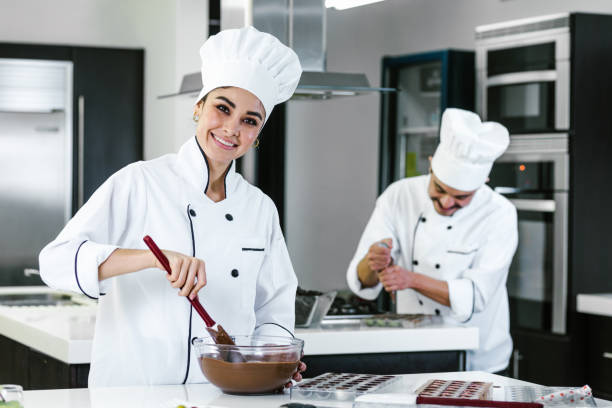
(345, 4)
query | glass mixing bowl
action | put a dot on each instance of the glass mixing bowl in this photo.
(255, 365)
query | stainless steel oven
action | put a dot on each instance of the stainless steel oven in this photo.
(534, 175)
(523, 71)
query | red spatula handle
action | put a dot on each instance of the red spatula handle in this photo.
(164, 261)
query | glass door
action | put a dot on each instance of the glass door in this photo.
(426, 84)
(524, 107)
(537, 182)
(530, 185)
(531, 272)
(418, 117)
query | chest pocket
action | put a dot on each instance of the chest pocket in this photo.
(460, 258)
(250, 254)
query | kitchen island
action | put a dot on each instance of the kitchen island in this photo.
(58, 338)
(207, 395)
(596, 309)
(430, 345)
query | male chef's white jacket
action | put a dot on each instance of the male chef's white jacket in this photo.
(143, 327)
(471, 250)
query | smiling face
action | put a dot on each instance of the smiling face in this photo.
(447, 200)
(230, 120)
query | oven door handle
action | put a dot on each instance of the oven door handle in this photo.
(522, 77)
(548, 206)
(560, 278)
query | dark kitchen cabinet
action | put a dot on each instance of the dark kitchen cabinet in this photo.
(109, 98)
(36, 371)
(590, 152)
(542, 358)
(14, 366)
(598, 355)
(48, 373)
(107, 108)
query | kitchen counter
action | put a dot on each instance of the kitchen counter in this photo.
(62, 332)
(65, 332)
(435, 336)
(205, 395)
(597, 304)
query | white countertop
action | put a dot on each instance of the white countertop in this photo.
(598, 304)
(66, 332)
(62, 332)
(206, 395)
(430, 337)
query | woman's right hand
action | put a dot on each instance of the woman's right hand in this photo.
(188, 273)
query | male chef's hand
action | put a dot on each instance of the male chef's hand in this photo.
(396, 278)
(379, 254)
(188, 273)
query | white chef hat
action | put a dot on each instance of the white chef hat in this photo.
(251, 60)
(467, 149)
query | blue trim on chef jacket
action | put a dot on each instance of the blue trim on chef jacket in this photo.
(191, 226)
(225, 177)
(462, 252)
(208, 169)
(207, 166)
(188, 347)
(191, 307)
(473, 301)
(416, 228)
(76, 274)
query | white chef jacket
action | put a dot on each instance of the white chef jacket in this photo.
(143, 327)
(471, 250)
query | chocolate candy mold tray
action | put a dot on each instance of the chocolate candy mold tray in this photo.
(455, 389)
(340, 386)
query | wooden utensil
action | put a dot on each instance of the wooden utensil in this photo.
(216, 331)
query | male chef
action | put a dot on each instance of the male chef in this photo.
(445, 241)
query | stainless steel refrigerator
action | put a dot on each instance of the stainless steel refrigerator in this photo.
(35, 161)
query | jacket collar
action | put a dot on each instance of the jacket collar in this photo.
(194, 166)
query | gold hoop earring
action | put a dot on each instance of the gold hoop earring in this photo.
(256, 144)
(196, 117)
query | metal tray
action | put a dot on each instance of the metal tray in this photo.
(314, 308)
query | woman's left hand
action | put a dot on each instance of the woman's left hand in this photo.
(298, 374)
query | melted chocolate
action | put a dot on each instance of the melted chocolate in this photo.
(252, 377)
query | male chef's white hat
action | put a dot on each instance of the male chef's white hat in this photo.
(251, 60)
(467, 149)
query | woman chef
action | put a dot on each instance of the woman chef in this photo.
(446, 240)
(221, 234)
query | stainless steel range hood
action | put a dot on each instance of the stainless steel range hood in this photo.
(301, 25)
(313, 85)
